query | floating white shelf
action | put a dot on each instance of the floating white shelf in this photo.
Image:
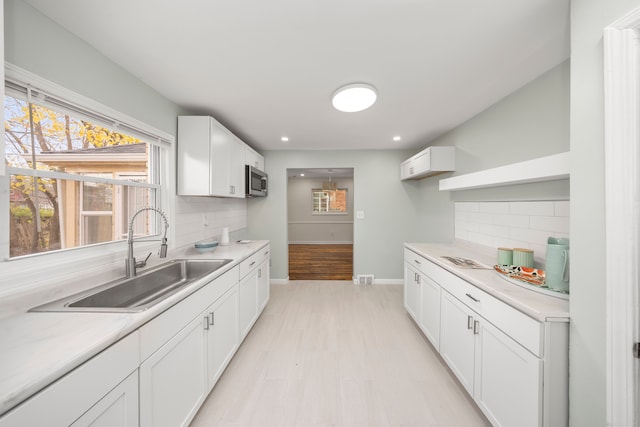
(547, 168)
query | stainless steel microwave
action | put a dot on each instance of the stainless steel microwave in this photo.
(255, 182)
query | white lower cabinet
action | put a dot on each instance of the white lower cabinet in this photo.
(508, 379)
(173, 380)
(222, 335)
(422, 298)
(430, 310)
(119, 408)
(513, 366)
(263, 284)
(248, 302)
(457, 342)
(412, 291)
(254, 288)
(504, 378)
(100, 392)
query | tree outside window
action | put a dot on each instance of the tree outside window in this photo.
(64, 172)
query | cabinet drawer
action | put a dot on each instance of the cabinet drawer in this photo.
(162, 328)
(251, 263)
(522, 328)
(416, 261)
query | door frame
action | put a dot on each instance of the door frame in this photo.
(622, 165)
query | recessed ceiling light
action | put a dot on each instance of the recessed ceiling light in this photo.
(301, 174)
(284, 139)
(354, 97)
(396, 138)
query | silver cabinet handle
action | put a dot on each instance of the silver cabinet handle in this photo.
(417, 262)
(259, 272)
(469, 322)
(476, 327)
(206, 323)
(211, 318)
(251, 265)
(474, 299)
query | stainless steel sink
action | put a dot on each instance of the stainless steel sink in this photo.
(138, 293)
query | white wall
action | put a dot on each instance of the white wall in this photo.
(307, 227)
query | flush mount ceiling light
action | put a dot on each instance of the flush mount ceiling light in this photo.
(354, 97)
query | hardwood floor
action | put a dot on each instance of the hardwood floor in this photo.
(320, 262)
(334, 353)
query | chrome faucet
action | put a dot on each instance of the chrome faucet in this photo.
(131, 265)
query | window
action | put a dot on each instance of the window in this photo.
(75, 176)
(329, 201)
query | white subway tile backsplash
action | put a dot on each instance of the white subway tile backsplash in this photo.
(220, 212)
(494, 207)
(531, 208)
(466, 207)
(555, 224)
(525, 224)
(494, 230)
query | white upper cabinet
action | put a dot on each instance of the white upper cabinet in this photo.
(253, 158)
(428, 162)
(210, 159)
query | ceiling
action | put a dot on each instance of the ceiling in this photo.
(267, 69)
(322, 173)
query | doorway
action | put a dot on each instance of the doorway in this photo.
(320, 223)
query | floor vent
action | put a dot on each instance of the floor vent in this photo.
(365, 279)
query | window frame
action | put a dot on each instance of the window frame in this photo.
(64, 100)
(328, 212)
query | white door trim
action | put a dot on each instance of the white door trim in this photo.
(622, 164)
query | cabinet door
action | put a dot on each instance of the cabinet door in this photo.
(421, 162)
(119, 408)
(457, 340)
(222, 338)
(173, 379)
(508, 381)
(412, 291)
(430, 311)
(236, 168)
(248, 302)
(263, 285)
(221, 143)
(194, 155)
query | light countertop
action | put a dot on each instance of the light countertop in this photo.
(36, 348)
(536, 305)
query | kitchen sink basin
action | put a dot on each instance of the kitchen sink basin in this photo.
(138, 293)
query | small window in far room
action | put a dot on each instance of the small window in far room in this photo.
(329, 201)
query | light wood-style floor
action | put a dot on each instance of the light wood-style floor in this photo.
(321, 262)
(329, 353)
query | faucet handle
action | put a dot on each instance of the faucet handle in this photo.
(143, 263)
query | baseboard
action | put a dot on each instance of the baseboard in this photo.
(375, 282)
(382, 281)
